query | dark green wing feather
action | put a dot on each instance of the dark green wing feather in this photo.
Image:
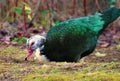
(72, 37)
(76, 38)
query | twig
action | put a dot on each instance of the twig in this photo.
(85, 7)
(24, 15)
(36, 11)
(51, 10)
(74, 6)
(15, 4)
(1, 9)
(50, 15)
(98, 6)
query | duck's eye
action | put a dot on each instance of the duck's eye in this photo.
(32, 43)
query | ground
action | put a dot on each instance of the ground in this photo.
(102, 65)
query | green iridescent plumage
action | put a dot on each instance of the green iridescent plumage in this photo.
(75, 38)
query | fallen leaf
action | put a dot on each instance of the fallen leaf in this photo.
(106, 44)
(98, 54)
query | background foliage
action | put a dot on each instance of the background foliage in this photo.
(22, 18)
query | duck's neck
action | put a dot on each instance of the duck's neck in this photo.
(41, 58)
(109, 16)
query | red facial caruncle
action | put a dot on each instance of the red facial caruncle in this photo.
(30, 51)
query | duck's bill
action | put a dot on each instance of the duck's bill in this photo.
(28, 56)
(30, 52)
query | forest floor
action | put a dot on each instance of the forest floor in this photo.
(102, 65)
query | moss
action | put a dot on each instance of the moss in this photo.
(12, 65)
(49, 77)
(118, 47)
(97, 76)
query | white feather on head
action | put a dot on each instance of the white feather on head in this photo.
(38, 40)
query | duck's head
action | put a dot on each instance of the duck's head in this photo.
(33, 43)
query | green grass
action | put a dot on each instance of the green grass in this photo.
(14, 68)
